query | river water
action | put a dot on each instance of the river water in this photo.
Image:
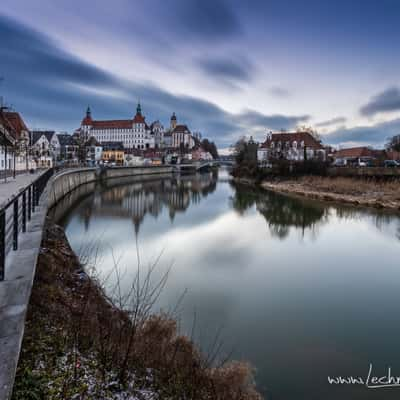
(302, 290)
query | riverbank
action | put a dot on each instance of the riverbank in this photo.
(354, 191)
(78, 344)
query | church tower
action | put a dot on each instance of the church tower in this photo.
(173, 121)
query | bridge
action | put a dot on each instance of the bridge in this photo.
(196, 166)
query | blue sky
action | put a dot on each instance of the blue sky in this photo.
(227, 68)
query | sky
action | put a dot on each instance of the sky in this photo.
(227, 68)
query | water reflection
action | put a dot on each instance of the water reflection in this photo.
(131, 198)
(299, 310)
(280, 212)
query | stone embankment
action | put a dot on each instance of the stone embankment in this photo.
(20, 265)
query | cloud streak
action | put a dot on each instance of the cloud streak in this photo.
(386, 101)
(329, 122)
(52, 89)
(376, 135)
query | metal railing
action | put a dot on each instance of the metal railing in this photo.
(15, 215)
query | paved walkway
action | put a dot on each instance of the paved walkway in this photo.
(13, 186)
(16, 288)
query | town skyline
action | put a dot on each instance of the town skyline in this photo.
(244, 75)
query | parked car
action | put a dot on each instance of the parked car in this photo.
(339, 162)
(391, 163)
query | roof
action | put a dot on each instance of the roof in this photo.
(87, 120)
(112, 146)
(16, 121)
(138, 119)
(181, 128)
(283, 137)
(8, 133)
(113, 124)
(65, 139)
(36, 135)
(354, 152)
(393, 155)
(92, 141)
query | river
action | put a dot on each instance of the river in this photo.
(301, 289)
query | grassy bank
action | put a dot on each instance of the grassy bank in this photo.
(355, 191)
(79, 345)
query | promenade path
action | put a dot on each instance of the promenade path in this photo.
(16, 288)
(12, 186)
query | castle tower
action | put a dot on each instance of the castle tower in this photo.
(173, 121)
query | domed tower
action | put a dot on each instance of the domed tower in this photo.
(87, 121)
(173, 121)
(86, 124)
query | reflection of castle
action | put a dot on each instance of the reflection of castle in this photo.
(135, 200)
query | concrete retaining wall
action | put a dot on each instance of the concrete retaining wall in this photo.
(20, 266)
(67, 181)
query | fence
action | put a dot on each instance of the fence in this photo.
(15, 215)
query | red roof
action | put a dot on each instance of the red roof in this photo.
(139, 119)
(181, 128)
(290, 137)
(16, 122)
(393, 155)
(354, 152)
(113, 124)
(87, 121)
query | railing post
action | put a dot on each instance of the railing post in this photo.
(2, 244)
(24, 212)
(33, 197)
(15, 225)
(29, 202)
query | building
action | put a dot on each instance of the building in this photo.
(294, 146)
(94, 151)
(132, 133)
(45, 147)
(157, 130)
(7, 143)
(198, 153)
(113, 153)
(167, 141)
(357, 156)
(21, 134)
(180, 135)
(68, 150)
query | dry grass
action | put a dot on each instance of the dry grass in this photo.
(351, 186)
(70, 314)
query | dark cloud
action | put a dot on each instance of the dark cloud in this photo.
(388, 100)
(333, 121)
(52, 88)
(228, 69)
(206, 19)
(279, 91)
(277, 121)
(375, 135)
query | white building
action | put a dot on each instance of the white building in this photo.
(132, 133)
(157, 131)
(45, 147)
(181, 135)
